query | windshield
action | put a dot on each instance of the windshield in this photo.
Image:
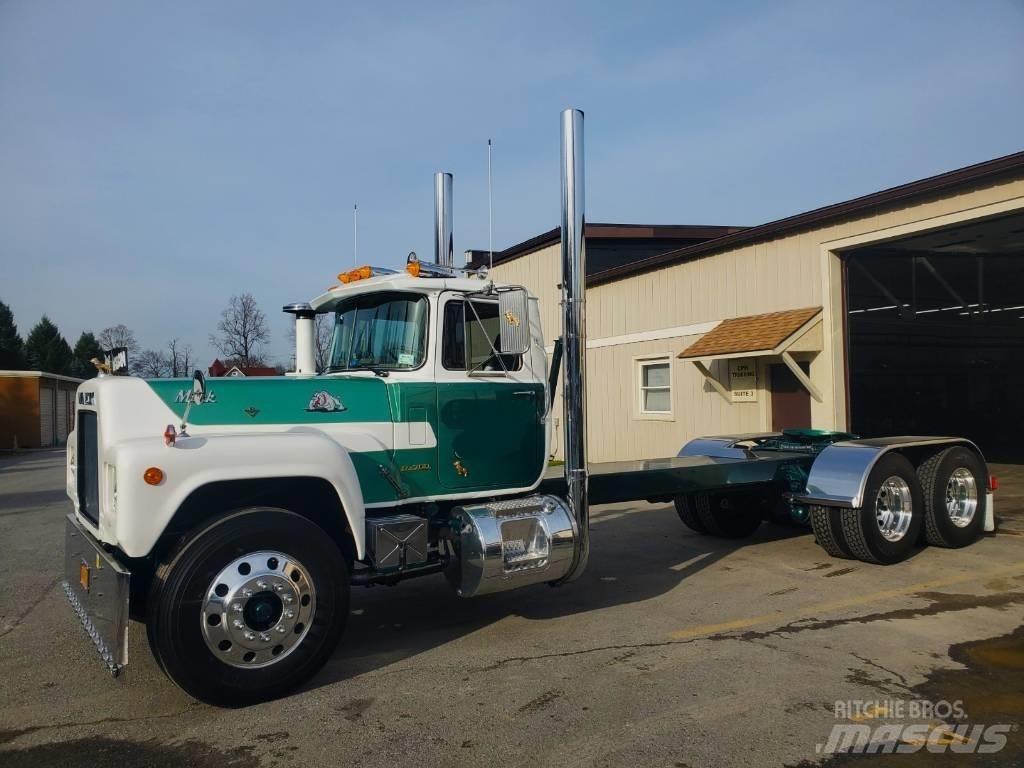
(379, 331)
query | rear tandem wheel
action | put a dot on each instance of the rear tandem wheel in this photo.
(726, 515)
(886, 528)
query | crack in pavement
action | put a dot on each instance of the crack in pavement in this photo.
(939, 603)
(584, 651)
(878, 666)
(10, 735)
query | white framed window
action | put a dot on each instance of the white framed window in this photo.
(654, 387)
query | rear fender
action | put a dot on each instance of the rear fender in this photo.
(840, 472)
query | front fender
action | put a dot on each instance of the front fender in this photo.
(143, 511)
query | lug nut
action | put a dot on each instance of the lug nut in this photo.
(236, 607)
(289, 614)
(246, 592)
(279, 587)
(281, 630)
(261, 584)
(250, 635)
(264, 637)
(238, 624)
(288, 598)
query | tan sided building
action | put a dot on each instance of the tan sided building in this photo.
(37, 409)
(900, 312)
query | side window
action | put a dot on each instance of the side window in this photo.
(655, 387)
(453, 350)
(472, 334)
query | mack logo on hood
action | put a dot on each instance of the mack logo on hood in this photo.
(182, 396)
(325, 401)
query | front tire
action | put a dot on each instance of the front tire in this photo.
(248, 607)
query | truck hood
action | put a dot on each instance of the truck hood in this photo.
(130, 407)
(279, 400)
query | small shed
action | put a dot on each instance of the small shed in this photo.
(37, 409)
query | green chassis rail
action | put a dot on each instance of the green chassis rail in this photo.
(777, 461)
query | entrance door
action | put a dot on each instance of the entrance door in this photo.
(791, 403)
(490, 429)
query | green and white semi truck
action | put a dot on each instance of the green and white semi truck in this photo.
(234, 516)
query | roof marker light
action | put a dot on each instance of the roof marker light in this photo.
(412, 264)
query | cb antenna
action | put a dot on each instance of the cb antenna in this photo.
(355, 235)
(490, 212)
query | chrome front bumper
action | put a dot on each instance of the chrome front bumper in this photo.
(97, 588)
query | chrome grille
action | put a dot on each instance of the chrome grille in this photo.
(88, 473)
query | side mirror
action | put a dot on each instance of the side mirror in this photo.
(514, 317)
(198, 388)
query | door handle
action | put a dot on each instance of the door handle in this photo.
(525, 393)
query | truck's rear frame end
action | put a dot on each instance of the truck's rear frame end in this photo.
(97, 586)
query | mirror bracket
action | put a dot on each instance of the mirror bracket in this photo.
(197, 397)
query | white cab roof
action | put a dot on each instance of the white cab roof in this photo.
(400, 281)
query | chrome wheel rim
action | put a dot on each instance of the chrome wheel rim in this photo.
(258, 609)
(961, 497)
(894, 508)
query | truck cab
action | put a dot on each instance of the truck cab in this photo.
(467, 417)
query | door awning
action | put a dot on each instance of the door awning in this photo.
(775, 334)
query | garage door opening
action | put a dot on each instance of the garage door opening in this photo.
(935, 328)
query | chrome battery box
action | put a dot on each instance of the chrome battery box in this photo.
(97, 585)
(397, 542)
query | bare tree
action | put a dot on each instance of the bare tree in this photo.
(119, 335)
(152, 364)
(323, 332)
(242, 331)
(179, 358)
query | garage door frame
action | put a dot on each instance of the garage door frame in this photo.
(833, 291)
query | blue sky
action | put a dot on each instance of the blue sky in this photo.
(156, 158)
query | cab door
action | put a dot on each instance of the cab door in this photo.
(490, 406)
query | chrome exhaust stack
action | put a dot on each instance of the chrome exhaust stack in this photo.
(574, 333)
(502, 545)
(444, 245)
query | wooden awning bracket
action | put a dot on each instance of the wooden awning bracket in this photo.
(718, 386)
(801, 376)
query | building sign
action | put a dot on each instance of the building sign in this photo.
(743, 380)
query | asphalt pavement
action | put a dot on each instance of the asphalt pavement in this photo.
(673, 649)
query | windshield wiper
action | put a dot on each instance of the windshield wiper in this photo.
(382, 372)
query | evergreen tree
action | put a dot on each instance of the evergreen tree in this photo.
(12, 356)
(46, 350)
(86, 348)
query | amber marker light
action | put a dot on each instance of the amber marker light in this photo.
(412, 265)
(153, 476)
